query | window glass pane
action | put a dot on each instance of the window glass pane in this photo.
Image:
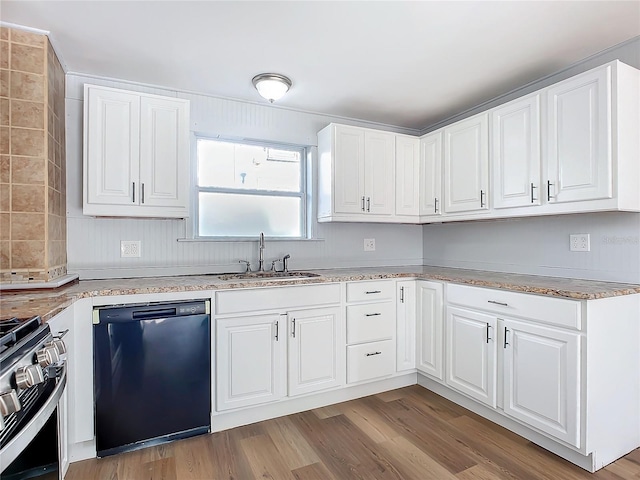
(248, 167)
(237, 215)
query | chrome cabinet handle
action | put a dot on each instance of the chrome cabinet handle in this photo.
(498, 303)
(362, 204)
(293, 330)
(374, 353)
(549, 196)
(532, 188)
(133, 193)
(435, 205)
(488, 337)
(372, 291)
(368, 204)
(506, 330)
(277, 330)
(401, 294)
(481, 198)
(142, 194)
(372, 314)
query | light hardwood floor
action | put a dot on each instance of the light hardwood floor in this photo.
(408, 434)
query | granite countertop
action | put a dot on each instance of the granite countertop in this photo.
(48, 303)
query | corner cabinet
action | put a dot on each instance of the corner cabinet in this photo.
(356, 174)
(136, 154)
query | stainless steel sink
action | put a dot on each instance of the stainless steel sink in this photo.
(268, 276)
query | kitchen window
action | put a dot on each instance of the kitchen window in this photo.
(243, 189)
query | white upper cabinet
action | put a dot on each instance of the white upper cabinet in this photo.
(136, 154)
(356, 174)
(349, 170)
(579, 138)
(407, 175)
(466, 165)
(515, 150)
(431, 174)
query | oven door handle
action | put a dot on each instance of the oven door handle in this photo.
(19, 442)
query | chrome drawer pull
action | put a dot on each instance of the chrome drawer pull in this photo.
(497, 303)
(374, 353)
(372, 314)
(373, 291)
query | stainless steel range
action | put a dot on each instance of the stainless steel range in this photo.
(32, 379)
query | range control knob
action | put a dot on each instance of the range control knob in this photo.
(48, 356)
(9, 403)
(29, 376)
(60, 346)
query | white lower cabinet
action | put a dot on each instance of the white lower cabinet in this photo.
(429, 328)
(250, 360)
(471, 354)
(370, 360)
(313, 350)
(406, 325)
(541, 378)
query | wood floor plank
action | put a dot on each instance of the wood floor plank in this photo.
(263, 458)
(624, 469)
(413, 463)
(291, 445)
(410, 433)
(434, 439)
(161, 469)
(193, 459)
(315, 471)
(326, 412)
(369, 421)
(229, 463)
(345, 451)
(479, 472)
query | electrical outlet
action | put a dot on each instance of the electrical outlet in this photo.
(369, 244)
(580, 242)
(130, 248)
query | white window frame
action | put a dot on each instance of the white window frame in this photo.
(302, 194)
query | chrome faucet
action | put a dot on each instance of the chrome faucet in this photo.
(261, 253)
(285, 268)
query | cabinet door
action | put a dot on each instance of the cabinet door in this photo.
(349, 170)
(471, 354)
(431, 174)
(406, 325)
(579, 138)
(407, 176)
(315, 353)
(164, 152)
(112, 150)
(541, 378)
(429, 328)
(250, 367)
(466, 165)
(379, 148)
(515, 141)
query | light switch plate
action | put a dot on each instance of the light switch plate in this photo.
(130, 248)
(580, 242)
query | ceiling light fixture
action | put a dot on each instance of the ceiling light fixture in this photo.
(271, 86)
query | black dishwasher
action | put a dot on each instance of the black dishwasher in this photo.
(152, 374)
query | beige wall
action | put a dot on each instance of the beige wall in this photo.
(32, 155)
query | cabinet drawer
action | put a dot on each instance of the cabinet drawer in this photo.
(370, 360)
(550, 310)
(367, 323)
(368, 291)
(276, 298)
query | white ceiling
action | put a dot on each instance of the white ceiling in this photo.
(408, 64)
